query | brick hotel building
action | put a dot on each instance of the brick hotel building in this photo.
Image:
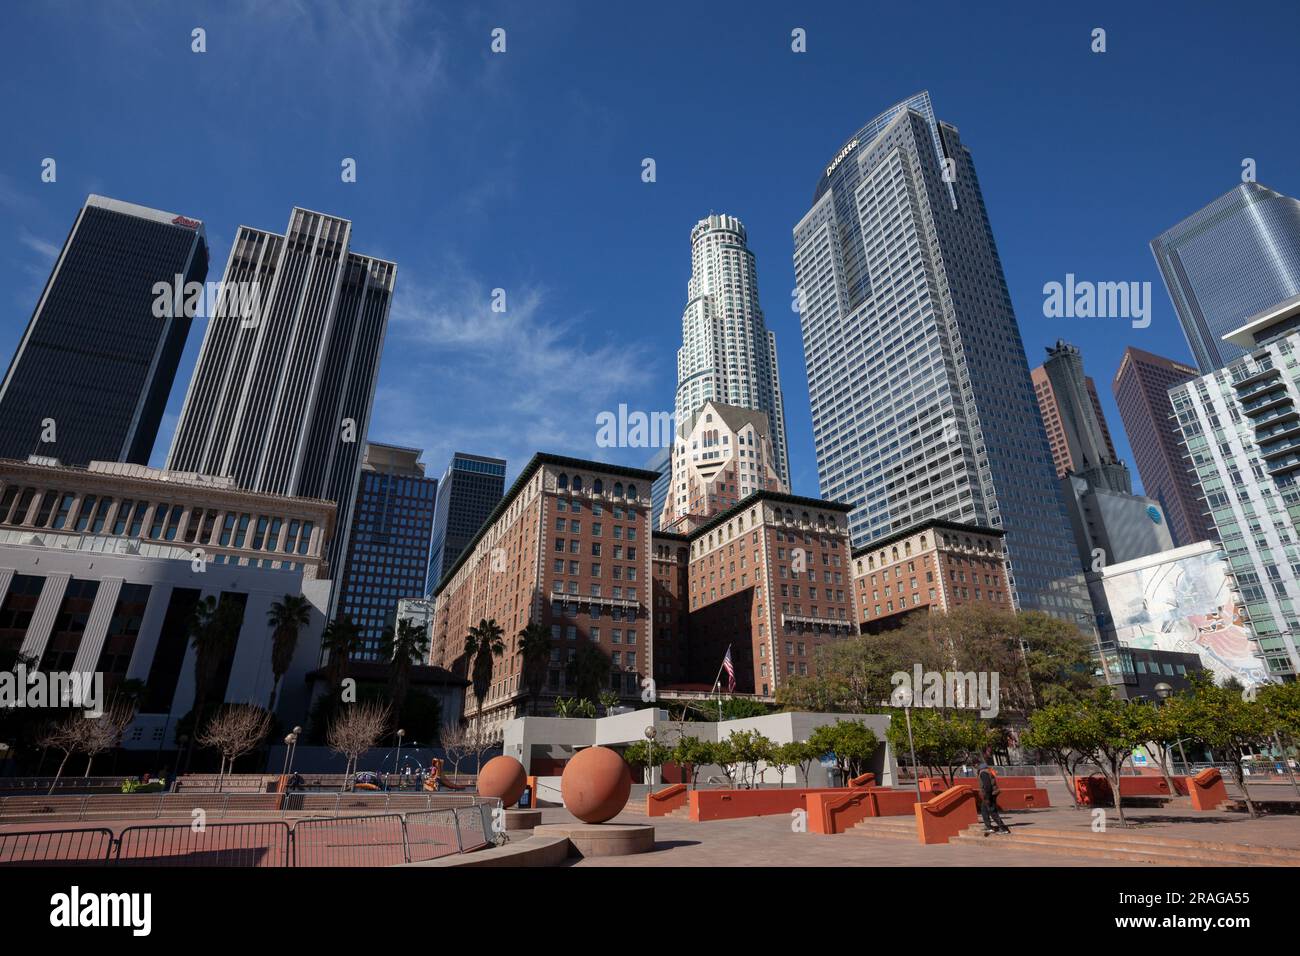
(568, 545)
(933, 566)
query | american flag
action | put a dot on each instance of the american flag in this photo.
(730, 668)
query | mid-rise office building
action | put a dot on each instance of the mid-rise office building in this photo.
(388, 548)
(1228, 261)
(470, 489)
(1141, 389)
(1241, 430)
(934, 567)
(281, 396)
(921, 398)
(90, 378)
(721, 455)
(1076, 426)
(727, 353)
(568, 547)
(102, 567)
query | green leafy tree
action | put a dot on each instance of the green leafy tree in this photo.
(943, 739)
(1282, 702)
(851, 742)
(803, 755)
(1232, 726)
(534, 649)
(609, 700)
(781, 757)
(724, 756)
(690, 751)
(1053, 731)
(574, 707)
(1109, 731)
(483, 643)
(286, 618)
(647, 753)
(750, 748)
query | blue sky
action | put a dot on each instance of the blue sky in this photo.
(522, 170)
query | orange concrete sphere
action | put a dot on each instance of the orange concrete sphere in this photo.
(502, 777)
(596, 784)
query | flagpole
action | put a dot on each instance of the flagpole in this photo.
(717, 682)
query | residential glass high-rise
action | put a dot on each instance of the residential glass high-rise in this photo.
(727, 353)
(388, 548)
(470, 488)
(1228, 261)
(95, 365)
(281, 396)
(921, 399)
(1241, 431)
(1141, 389)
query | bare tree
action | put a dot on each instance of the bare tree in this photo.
(355, 729)
(478, 742)
(66, 736)
(234, 731)
(104, 732)
(455, 744)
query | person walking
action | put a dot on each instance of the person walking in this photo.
(989, 802)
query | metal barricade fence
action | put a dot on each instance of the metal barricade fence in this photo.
(370, 841)
(431, 834)
(214, 844)
(91, 847)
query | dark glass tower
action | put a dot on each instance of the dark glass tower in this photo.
(1227, 262)
(469, 490)
(281, 396)
(388, 548)
(95, 365)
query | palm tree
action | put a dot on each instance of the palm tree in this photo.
(214, 631)
(408, 645)
(588, 672)
(340, 639)
(483, 643)
(535, 651)
(286, 618)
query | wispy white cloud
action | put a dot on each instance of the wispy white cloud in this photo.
(48, 251)
(500, 383)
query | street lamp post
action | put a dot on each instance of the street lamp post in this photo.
(902, 697)
(1163, 693)
(650, 734)
(296, 734)
(397, 759)
(288, 746)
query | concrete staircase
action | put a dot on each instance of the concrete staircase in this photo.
(681, 813)
(886, 828)
(1131, 846)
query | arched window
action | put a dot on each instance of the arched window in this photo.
(597, 486)
(618, 489)
(631, 491)
(562, 482)
(577, 482)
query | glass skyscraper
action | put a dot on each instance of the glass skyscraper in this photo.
(1226, 262)
(96, 363)
(470, 488)
(388, 548)
(921, 398)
